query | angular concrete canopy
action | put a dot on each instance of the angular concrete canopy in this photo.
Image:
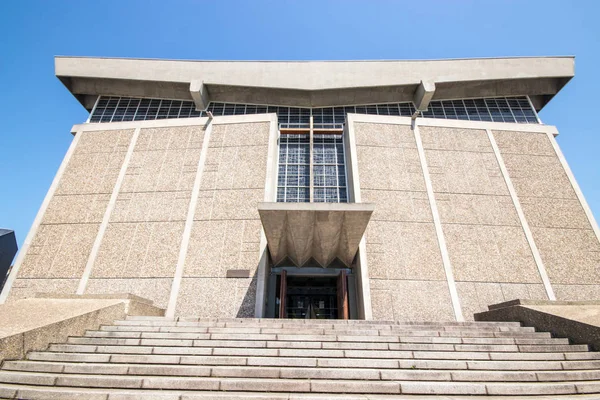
(321, 231)
(314, 83)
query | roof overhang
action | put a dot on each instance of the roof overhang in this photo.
(314, 83)
(318, 231)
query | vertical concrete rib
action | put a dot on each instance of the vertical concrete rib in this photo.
(438, 227)
(575, 185)
(270, 195)
(87, 272)
(364, 292)
(38, 219)
(189, 222)
(513, 194)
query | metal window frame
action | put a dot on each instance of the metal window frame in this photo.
(339, 140)
(285, 113)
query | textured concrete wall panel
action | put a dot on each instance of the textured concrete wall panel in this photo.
(477, 296)
(216, 246)
(151, 207)
(91, 173)
(246, 134)
(384, 135)
(142, 249)
(538, 176)
(389, 168)
(59, 251)
(465, 172)
(228, 204)
(76, 209)
(112, 141)
(171, 138)
(226, 230)
(61, 246)
(577, 292)
(141, 244)
(405, 266)
(487, 253)
(25, 287)
(389, 148)
(565, 239)
(398, 205)
(571, 256)
(95, 163)
(155, 289)
(473, 209)
(512, 142)
(403, 250)
(455, 139)
(554, 213)
(221, 161)
(217, 297)
(161, 170)
(490, 256)
(405, 300)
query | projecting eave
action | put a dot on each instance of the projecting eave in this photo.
(322, 232)
(314, 83)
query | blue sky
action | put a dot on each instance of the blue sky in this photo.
(37, 112)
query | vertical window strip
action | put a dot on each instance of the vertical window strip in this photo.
(293, 179)
(329, 169)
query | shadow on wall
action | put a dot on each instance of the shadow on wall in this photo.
(4, 278)
(247, 306)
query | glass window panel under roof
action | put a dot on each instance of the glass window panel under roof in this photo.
(512, 109)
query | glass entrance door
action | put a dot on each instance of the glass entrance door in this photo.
(311, 297)
(311, 293)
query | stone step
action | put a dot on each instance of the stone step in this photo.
(181, 346)
(350, 358)
(269, 328)
(178, 358)
(302, 373)
(63, 393)
(191, 340)
(298, 385)
(268, 321)
(331, 335)
(522, 338)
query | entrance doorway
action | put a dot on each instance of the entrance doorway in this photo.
(295, 293)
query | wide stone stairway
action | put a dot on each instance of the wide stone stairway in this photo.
(186, 358)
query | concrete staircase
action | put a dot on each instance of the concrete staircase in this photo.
(186, 358)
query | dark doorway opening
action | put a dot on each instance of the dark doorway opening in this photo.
(311, 296)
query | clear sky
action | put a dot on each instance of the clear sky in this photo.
(37, 112)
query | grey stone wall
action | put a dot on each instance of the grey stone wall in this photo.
(490, 256)
(405, 266)
(226, 230)
(139, 250)
(60, 249)
(491, 259)
(565, 239)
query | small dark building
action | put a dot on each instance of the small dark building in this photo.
(8, 249)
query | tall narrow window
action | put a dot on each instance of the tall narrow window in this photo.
(328, 168)
(293, 180)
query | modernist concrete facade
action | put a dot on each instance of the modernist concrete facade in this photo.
(457, 213)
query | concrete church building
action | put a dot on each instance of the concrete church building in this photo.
(396, 228)
(386, 190)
